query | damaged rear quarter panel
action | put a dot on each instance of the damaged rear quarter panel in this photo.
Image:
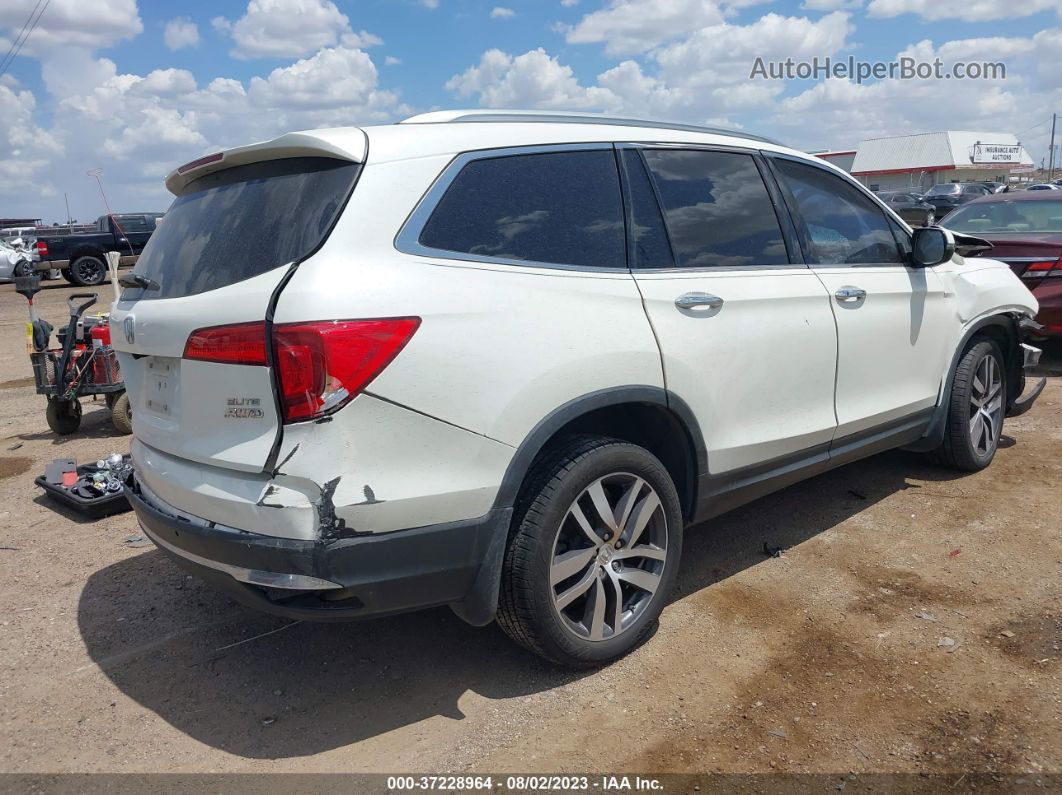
(377, 467)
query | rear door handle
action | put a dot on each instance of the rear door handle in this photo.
(851, 294)
(693, 300)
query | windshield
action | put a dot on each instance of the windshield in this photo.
(241, 222)
(1007, 217)
(944, 189)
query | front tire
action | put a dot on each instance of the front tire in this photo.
(87, 271)
(595, 553)
(975, 410)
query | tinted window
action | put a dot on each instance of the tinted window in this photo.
(241, 222)
(559, 207)
(943, 189)
(840, 224)
(133, 223)
(648, 235)
(717, 209)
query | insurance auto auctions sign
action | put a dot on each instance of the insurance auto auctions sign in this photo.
(996, 153)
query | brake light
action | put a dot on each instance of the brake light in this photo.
(243, 343)
(1044, 268)
(202, 161)
(321, 365)
(42, 248)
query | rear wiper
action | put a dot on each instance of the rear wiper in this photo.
(136, 280)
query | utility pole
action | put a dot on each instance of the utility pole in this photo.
(1051, 150)
(67, 200)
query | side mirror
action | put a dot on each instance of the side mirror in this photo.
(931, 245)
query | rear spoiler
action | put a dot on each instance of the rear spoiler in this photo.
(342, 143)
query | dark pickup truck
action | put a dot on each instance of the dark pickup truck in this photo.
(80, 255)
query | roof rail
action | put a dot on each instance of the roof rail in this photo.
(567, 117)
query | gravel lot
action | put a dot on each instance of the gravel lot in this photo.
(913, 623)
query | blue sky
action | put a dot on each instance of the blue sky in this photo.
(136, 88)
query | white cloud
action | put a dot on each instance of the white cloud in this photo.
(432, 4)
(65, 23)
(966, 10)
(391, 60)
(534, 79)
(180, 32)
(292, 28)
(500, 12)
(628, 27)
(830, 5)
(340, 82)
(569, 3)
(25, 148)
(841, 113)
(221, 25)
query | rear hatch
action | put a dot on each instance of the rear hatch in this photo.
(240, 222)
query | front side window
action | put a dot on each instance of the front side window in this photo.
(841, 226)
(560, 208)
(717, 209)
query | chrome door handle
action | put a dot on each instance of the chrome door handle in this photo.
(693, 300)
(851, 294)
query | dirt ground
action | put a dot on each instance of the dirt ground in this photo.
(913, 623)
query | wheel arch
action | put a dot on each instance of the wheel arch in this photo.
(649, 416)
(86, 251)
(1001, 328)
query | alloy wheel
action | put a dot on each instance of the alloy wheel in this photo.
(608, 556)
(986, 406)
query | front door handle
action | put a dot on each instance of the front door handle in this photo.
(851, 294)
(693, 300)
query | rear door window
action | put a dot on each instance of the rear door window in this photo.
(238, 223)
(717, 209)
(559, 208)
(840, 225)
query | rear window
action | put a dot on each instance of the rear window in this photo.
(1007, 217)
(561, 208)
(241, 222)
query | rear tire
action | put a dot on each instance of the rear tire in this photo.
(580, 586)
(64, 416)
(122, 414)
(87, 271)
(975, 408)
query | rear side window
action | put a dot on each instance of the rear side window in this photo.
(134, 223)
(717, 209)
(241, 222)
(560, 208)
(841, 226)
(649, 237)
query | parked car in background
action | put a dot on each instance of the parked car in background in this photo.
(946, 196)
(80, 256)
(1025, 230)
(995, 187)
(909, 207)
(424, 363)
(1044, 186)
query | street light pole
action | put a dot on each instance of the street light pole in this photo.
(1051, 149)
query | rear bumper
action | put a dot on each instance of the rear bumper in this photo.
(349, 578)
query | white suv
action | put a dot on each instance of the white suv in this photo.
(498, 361)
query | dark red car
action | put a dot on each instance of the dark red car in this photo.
(1025, 230)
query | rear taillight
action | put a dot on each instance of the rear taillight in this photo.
(42, 248)
(243, 343)
(1045, 268)
(320, 365)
